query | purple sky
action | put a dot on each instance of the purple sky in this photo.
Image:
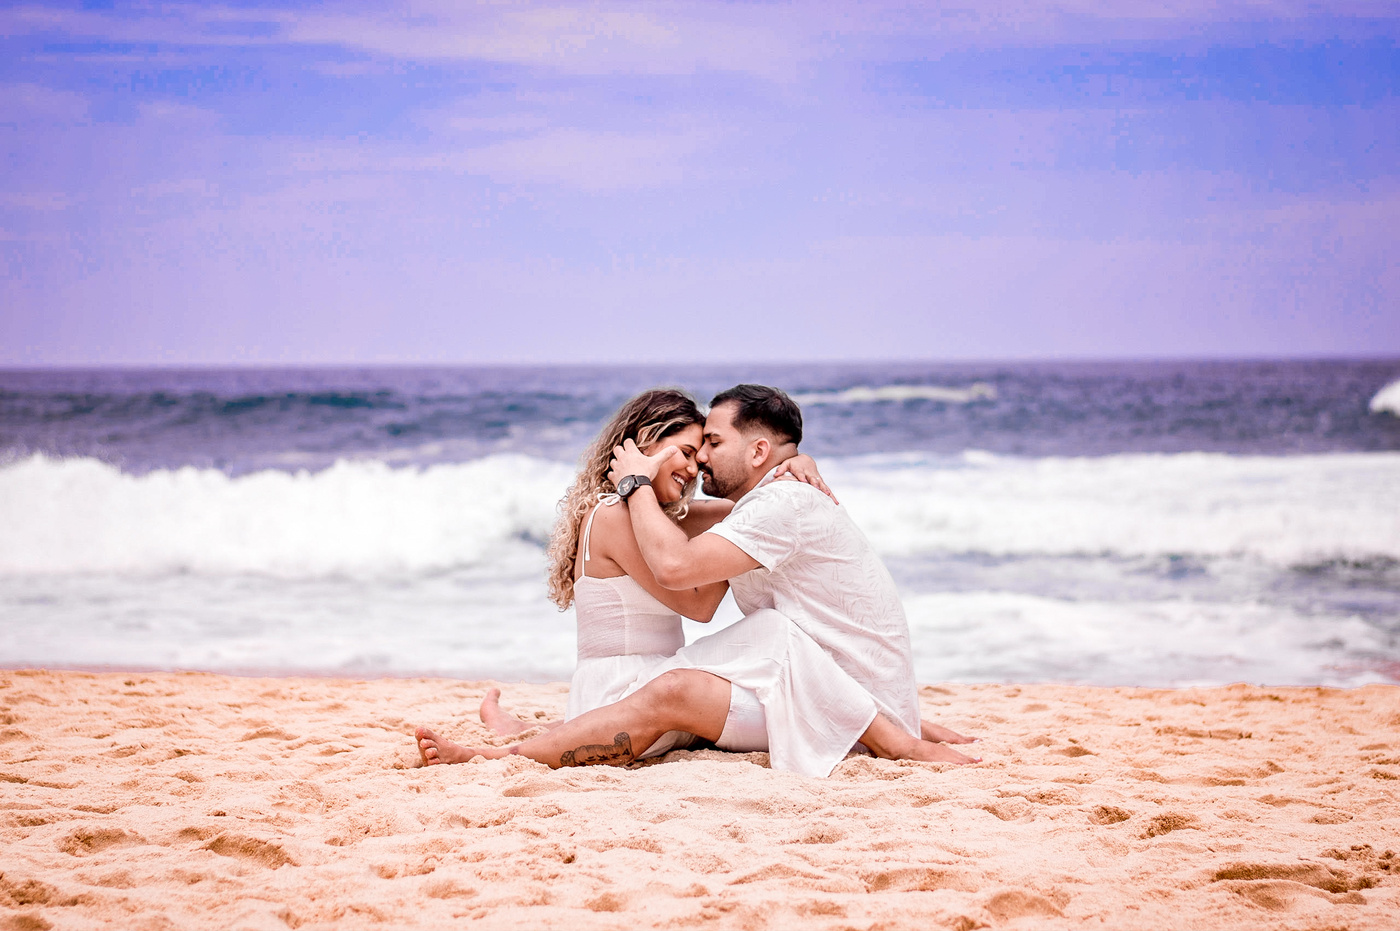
(509, 182)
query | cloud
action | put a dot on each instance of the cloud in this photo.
(594, 161)
(45, 201)
(589, 160)
(772, 41)
(599, 38)
(30, 104)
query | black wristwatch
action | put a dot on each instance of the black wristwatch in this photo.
(630, 483)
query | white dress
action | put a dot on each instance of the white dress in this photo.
(824, 643)
(623, 633)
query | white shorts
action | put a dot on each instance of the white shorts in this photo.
(746, 726)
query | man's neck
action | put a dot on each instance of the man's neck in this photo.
(775, 459)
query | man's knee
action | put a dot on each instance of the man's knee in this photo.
(677, 691)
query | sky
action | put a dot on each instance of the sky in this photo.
(502, 182)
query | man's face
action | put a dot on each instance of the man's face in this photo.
(724, 459)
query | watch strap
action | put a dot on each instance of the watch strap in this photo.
(626, 488)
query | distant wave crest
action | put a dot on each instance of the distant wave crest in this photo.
(1387, 400)
(865, 394)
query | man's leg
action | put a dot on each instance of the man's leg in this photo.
(937, 733)
(745, 730)
(678, 700)
(889, 741)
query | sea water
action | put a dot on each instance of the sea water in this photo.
(1134, 523)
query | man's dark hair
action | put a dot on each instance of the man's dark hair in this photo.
(766, 407)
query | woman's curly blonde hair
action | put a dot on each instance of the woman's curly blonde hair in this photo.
(649, 417)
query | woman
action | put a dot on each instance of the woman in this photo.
(627, 623)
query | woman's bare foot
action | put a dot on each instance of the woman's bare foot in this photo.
(937, 733)
(500, 722)
(434, 749)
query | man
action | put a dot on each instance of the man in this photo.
(820, 661)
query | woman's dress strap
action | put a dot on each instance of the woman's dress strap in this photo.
(607, 500)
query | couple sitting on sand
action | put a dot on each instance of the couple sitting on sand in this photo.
(820, 662)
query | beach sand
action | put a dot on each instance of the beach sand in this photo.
(204, 801)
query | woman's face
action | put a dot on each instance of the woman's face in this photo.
(680, 468)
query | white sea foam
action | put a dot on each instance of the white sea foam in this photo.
(863, 394)
(84, 516)
(1284, 510)
(1016, 637)
(1387, 400)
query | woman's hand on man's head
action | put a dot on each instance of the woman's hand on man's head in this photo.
(802, 468)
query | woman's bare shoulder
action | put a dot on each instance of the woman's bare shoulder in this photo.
(611, 518)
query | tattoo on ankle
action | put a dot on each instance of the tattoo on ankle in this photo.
(617, 753)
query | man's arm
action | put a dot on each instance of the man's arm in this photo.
(676, 561)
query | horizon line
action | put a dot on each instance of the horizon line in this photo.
(635, 364)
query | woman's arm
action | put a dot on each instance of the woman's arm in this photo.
(615, 551)
(803, 468)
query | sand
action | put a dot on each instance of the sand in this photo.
(204, 801)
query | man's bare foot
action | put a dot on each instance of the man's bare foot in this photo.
(434, 749)
(930, 752)
(937, 733)
(500, 722)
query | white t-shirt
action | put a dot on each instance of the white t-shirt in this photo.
(819, 570)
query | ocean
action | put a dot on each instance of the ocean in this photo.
(1143, 523)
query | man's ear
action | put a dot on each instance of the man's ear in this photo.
(761, 449)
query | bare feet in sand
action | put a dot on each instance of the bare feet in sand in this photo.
(937, 753)
(500, 722)
(434, 749)
(937, 733)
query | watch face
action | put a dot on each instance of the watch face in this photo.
(627, 485)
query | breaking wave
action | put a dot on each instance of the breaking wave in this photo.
(863, 394)
(1387, 400)
(82, 516)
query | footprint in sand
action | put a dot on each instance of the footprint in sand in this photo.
(86, 841)
(1277, 886)
(918, 879)
(531, 786)
(1008, 809)
(1108, 814)
(251, 850)
(1365, 855)
(1018, 903)
(1171, 821)
(29, 892)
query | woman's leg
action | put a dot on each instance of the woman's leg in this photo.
(678, 700)
(505, 724)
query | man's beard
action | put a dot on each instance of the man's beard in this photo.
(713, 485)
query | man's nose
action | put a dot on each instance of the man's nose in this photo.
(703, 453)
